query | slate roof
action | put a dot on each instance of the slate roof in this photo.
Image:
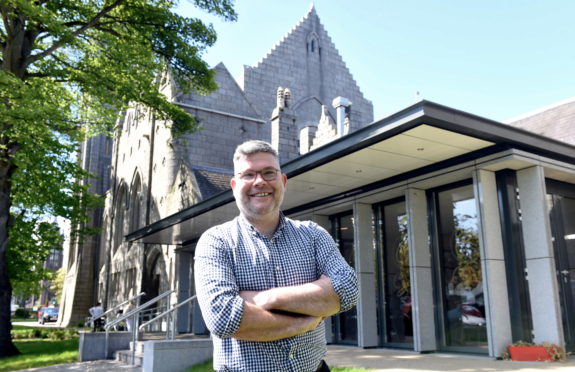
(211, 182)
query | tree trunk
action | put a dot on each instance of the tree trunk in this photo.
(7, 347)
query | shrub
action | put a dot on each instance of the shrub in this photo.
(22, 313)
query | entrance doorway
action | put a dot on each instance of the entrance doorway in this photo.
(457, 270)
(561, 200)
(345, 324)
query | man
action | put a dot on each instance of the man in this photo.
(96, 312)
(265, 282)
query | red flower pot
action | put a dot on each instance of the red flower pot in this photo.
(529, 353)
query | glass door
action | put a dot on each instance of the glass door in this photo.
(394, 309)
(562, 214)
(345, 324)
(458, 275)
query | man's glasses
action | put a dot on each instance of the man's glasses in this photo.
(268, 174)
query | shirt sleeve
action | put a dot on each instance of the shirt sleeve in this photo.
(332, 264)
(216, 287)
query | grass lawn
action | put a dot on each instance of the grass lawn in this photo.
(41, 352)
(207, 367)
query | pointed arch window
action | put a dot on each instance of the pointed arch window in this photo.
(119, 219)
(312, 43)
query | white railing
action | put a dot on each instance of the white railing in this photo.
(172, 318)
(134, 314)
(91, 320)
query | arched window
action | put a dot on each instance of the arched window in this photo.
(120, 208)
(136, 205)
(312, 42)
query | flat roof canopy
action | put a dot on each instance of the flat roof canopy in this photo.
(410, 142)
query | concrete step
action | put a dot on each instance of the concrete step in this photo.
(138, 346)
(125, 356)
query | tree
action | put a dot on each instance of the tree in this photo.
(67, 68)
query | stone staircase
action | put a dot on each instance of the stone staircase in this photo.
(164, 355)
(127, 357)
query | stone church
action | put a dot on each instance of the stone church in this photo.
(460, 228)
(299, 97)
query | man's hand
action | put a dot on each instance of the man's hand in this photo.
(317, 298)
(261, 325)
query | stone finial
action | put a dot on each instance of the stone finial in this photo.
(280, 100)
(287, 97)
(283, 98)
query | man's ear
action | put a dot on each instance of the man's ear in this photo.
(233, 183)
(284, 179)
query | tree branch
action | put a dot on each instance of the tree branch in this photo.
(88, 25)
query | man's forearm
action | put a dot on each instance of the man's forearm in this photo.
(258, 324)
(317, 298)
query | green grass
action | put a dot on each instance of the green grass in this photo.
(39, 353)
(207, 367)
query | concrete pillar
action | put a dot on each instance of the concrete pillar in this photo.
(340, 104)
(324, 222)
(365, 269)
(492, 264)
(420, 271)
(183, 264)
(542, 280)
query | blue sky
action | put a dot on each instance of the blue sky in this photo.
(494, 58)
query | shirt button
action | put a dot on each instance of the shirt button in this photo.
(278, 268)
(291, 356)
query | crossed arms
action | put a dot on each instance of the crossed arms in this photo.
(284, 312)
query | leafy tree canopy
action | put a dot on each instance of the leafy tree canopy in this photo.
(67, 68)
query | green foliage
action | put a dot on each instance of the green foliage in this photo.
(22, 313)
(25, 332)
(67, 69)
(57, 285)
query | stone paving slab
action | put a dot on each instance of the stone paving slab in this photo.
(386, 360)
(378, 360)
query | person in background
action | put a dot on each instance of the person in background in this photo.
(95, 313)
(265, 283)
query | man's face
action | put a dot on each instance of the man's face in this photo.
(258, 198)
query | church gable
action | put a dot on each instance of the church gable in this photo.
(307, 62)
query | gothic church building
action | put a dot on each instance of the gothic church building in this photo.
(292, 98)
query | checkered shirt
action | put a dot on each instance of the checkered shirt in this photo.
(234, 257)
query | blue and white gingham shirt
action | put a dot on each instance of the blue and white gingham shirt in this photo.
(234, 257)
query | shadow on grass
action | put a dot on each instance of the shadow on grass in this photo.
(38, 353)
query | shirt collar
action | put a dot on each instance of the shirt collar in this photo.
(246, 224)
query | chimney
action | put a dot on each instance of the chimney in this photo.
(340, 105)
(284, 134)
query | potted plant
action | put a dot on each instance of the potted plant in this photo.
(530, 352)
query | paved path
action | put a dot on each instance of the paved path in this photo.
(379, 360)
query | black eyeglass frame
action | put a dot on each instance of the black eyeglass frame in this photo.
(269, 177)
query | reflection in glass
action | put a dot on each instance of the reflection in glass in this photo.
(345, 324)
(461, 277)
(396, 277)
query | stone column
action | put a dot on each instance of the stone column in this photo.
(183, 284)
(542, 280)
(340, 104)
(492, 264)
(365, 269)
(420, 271)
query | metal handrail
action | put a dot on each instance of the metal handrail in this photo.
(135, 328)
(168, 312)
(115, 308)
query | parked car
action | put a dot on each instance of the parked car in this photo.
(48, 314)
